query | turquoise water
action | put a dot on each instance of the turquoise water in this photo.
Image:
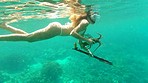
(123, 25)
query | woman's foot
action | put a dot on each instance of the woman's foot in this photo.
(2, 25)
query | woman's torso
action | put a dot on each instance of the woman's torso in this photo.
(67, 28)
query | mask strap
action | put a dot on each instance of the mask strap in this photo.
(90, 20)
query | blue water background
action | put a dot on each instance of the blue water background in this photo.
(123, 25)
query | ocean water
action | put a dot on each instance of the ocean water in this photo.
(123, 25)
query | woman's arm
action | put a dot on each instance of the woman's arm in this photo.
(81, 27)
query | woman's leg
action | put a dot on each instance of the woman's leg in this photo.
(12, 29)
(14, 37)
(19, 36)
(50, 31)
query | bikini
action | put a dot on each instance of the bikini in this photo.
(64, 27)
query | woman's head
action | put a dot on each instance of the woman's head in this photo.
(91, 16)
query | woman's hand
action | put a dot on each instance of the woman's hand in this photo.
(90, 41)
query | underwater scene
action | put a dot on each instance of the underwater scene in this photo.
(123, 25)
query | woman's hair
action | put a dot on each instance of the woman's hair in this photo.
(79, 12)
(77, 18)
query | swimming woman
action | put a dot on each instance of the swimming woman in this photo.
(76, 28)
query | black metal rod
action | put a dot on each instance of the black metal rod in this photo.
(96, 57)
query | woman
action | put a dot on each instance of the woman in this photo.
(76, 28)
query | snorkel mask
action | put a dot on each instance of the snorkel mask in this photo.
(91, 16)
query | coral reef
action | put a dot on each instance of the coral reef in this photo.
(14, 63)
(3, 77)
(51, 71)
